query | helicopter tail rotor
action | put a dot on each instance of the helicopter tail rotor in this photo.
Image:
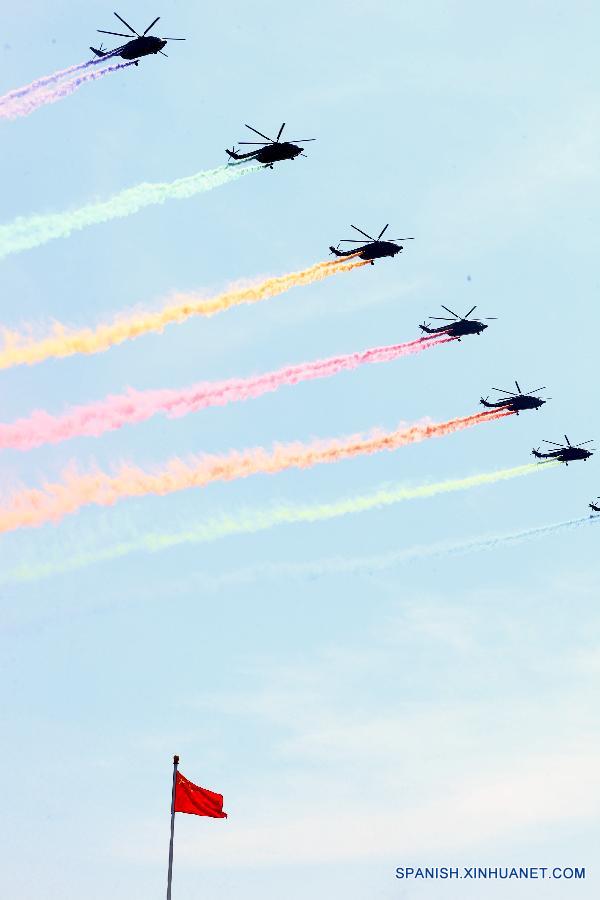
(99, 51)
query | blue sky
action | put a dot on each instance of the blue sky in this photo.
(444, 712)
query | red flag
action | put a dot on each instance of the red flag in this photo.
(189, 798)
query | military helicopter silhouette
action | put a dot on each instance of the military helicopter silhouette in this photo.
(516, 402)
(458, 326)
(374, 249)
(594, 507)
(566, 452)
(271, 151)
(141, 45)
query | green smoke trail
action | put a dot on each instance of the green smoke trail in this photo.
(251, 521)
(27, 232)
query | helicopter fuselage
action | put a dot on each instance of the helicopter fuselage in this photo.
(516, 404)
(278, 152)
(136, 48)
(594, 508)
(272, 153)
(372, 251)
(142, 46)
(456, 329)
(565, 454)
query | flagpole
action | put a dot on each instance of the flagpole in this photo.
(170, 875)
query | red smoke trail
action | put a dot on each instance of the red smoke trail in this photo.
(114, 412)
(32, 507)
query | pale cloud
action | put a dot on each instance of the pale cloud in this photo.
(588, 660)
(518, 184)
(470, 763)
(334, 824)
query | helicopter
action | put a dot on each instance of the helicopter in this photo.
(141, 45)
(459, 325)
(516, 402)
(594, 507)
(374, 249)
(271, 151)
(566, 453)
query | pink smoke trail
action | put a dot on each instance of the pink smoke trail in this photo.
(31, 507)
(50, 79)
(28, 103)
(134, 406)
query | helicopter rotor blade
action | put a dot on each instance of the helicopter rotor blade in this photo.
(502, 391)
(491, 318)
(151, 26)
(379, 236)
(568, 441)
(582, 443)
(350, 241)
(301, 140)
(562, 446)
(255, 143)
(537, 390)
(518, 388)
(441, 319)
(116, 33)
(466, 315)
(270, 140)
(279, 133)
(174, 39)
(163, 54)
(126, 24)
(360, 231)
(451, 311)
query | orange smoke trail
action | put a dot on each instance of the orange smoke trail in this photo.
(32, 507)
(19, 350)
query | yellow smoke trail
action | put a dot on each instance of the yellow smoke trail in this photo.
(20, 350)
(33, 506)
(252, 521)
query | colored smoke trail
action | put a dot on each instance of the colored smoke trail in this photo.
(20, 350)
(25, 103)
(46, 80)
(27, 232)
(253, 521)
(368, 565)
(132, 407)
(33, 506)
